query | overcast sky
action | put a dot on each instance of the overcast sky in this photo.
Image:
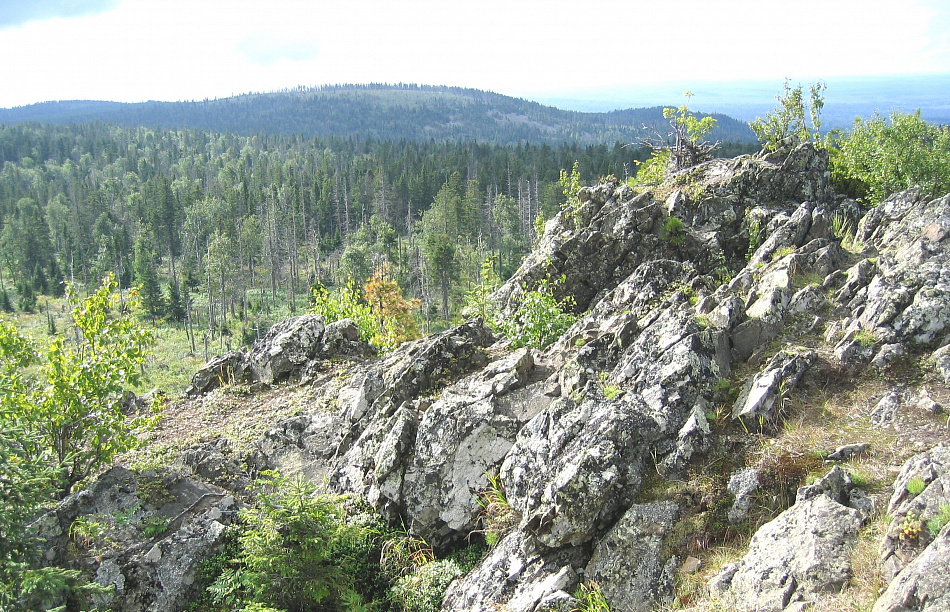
(136, 50)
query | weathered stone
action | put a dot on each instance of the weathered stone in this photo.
(805, 550)
(886, 411)
(627, 562)
(517, 576)
(222, 370)
(155, 573)
(922, 585)
(941, 361)
(575, 467)
(757, 401)
(742, 484)
(920, 500)
(849, 451)
(286, 348)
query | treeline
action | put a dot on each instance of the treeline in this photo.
(217, 227)
(379, 112)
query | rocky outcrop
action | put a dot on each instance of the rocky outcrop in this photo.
(803, 551)
(144, 534)
(288, 350)
(915, 554)
(578, 439)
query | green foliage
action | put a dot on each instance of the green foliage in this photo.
(916, 485)
(154, 526)
(497, 514)
(880, 157)
(540, 319)
(344, 303)
(78, 412)
(788, 119)
(394, 314)
(756, 232)
(423, 589)
(674, 232)
(570, 185)
(938, 522)
(297, 550)
(590, 598)
(653, 171)
(478, 300)
(689, 132)
(29, 477)
(865, 338)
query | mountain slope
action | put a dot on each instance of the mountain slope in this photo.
(382, 112)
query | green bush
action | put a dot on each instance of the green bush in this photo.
(881, 157)
(540, 319)
(344, 303)
(297, 550)
(674, 231)
(788, 119)
(423, 589)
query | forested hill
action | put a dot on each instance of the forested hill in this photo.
(379, 112)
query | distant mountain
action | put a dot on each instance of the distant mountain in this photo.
(845, 97)
(381, 112)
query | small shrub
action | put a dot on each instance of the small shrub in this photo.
(86, 532)
(540, 319)
(570, 185)
(865, 338)
(910, 528)
(155, 526)
(674, 232)
(916, 485)
(298, 550)
(497, 514)
(423, 589)
(590, 598)
(653, 171)
(938, 522)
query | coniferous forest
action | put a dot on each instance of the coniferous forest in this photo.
(219, 229)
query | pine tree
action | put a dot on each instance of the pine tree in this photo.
(175, 306)
(145, 276)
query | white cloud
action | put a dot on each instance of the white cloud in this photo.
(183, 49)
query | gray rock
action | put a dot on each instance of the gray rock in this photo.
(917, 503)
(758, 402)
(627, 562)
(575, 467)
(225, 369)
(848, 451)
(885, 412)
(516, 575)
(286, 348)
(742, 484)
(941, 361)
(805, 550)
(155, 573)
(922, 585)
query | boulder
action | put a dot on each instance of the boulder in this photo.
(230, 368)
(922, 585)
(628, 562)
(920, 491)
(154, 532)
(517, 576)
(759, 402)
(286, 348)
(574, 468)
(804, 551)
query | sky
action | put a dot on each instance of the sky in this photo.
(138, 50)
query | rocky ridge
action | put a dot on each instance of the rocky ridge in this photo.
(697, 345)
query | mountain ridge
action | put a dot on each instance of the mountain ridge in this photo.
(381, 112)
